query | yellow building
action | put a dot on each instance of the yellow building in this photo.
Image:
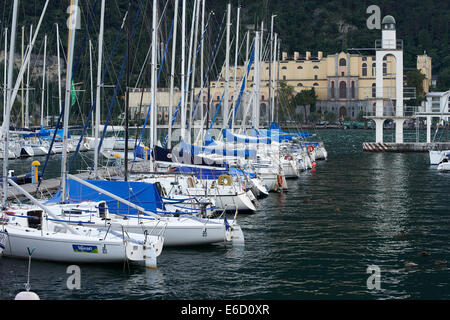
(344, 83)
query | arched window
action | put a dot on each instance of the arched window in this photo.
(342, 90)
(353, 90)
(315, 84)
(342, 62)
(332, 90)
(299, 67)
(315, 67)
(384, 68)
(284, 68)
(299, 84)
(374, 90)
(364, 69)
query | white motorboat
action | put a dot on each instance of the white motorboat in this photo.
(444, 165)
(436, 156)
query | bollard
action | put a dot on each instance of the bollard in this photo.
(146, 153)
(118, 162)
(35, 171)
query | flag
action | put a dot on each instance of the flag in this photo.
(74, 95)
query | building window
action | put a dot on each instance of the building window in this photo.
(299, 67)
(284, 77)
(299, 85)
(342, 62)
(315, 77)
(364, 69)
(342, 73)
(315, 67)
(374, 90)
(315, 84)
(342, 90)
(332, 89)
(364, 58)
(374, 68)
(384, 68)
(353, 90)
(284, 68)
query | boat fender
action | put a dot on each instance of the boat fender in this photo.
(311, 148)
(280, 180)
(289, 157)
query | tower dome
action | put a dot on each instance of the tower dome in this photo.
(388, 23)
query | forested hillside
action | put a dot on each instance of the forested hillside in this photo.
(303, 25)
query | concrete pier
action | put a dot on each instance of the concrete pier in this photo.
(404, 147)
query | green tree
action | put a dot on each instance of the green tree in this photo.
(330, 116)
(305, 98)
(415, 79)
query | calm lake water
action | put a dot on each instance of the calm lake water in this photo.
(314, 242)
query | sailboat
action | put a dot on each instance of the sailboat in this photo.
(35, 227)
(95, 202)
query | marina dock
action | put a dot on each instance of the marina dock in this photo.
(49, 186)
(404, 147)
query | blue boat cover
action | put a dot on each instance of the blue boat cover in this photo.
(142, 194)
(212, 173)
(195, 150)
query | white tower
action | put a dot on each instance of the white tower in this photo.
(389, 47)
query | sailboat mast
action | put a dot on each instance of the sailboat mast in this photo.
(183, 55)
(201, 68)
(27, 96)
(172, 72)
(59, 68)
(153, 105)
(72, 31)
(272, 88)
(99, 84)
(22, 92)
(43, 81)
(8, 102)
(188, 76)
(5, 77)
(227, 70)
(278, 77)
(256, 104)
(235, 67)
(92, 82)
(194, 58)
(127, 97)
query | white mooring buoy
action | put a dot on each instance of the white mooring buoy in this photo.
(27, 294)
